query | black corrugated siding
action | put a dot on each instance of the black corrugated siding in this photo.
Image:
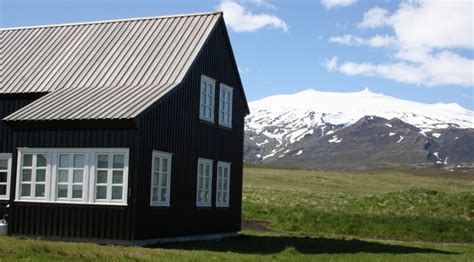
(172, 125)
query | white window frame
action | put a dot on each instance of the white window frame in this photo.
(70, 183)
(202, 114)
(161, 155)
(8, 157)
(226, 190)
(208, 203)
(109, 185)
(223, 103)
(34, 168)
(89, 176)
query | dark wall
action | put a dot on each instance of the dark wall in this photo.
(65, 220)
(174, 126)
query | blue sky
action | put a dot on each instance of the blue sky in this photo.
(328, 45)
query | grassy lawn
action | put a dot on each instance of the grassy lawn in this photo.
(316, 216)
(383, 204)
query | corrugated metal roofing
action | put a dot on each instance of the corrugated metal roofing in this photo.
(110, 69)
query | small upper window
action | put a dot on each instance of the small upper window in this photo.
(160, 179)
(225, 106)
(223, 184)
(204, 183)
(5, 173)
(206, 111)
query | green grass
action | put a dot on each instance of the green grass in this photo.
(316, 216)
(383, 204)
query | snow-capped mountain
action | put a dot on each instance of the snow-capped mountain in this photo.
(278, 123)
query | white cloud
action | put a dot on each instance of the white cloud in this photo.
(375, 41)
(333, 3)
(425, 45)
(331, 64)
(375, 17)
(242, 20)
(263, 3)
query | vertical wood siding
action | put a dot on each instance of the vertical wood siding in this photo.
(174, 126)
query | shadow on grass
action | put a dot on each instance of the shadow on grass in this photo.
(252, 244)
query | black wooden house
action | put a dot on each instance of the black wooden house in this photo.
(126, 130)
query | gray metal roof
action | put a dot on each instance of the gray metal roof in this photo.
(90, 68)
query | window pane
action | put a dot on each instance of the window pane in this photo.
(41, 161)
(3, 190)
(77, 176)
(62, 191)
(25, 190)
(201, 170)
(78, 161)
(219, 197)
(117, 177)
(165, 165)
(103, 161)
(26, 175)
(200, 196)
(101, 192)
(224, 199)
(63, 160)
(76, 191)
(206, 182)
(3, 164)
(63, 175)
(156, 164)
(116, 192)
(206, 170)
(200, 182)
(155, 194)
(101, 176)
(39, 191)
(164, 179)
(155, 179)
(118, 161)
(163, 194)
(40, 175)
(3, 177)
(206, 196)
(27, 160)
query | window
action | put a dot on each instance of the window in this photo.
(85, 176)
(204, 183)
(33, 176)
(225, 106)
(5, 173)
(110, 170)
(223, 184)
(70, 177)
(206, 111)
(160, 179)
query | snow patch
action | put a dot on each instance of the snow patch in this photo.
(389, 125)
(437, 135)
(391, 134)
(334, 139)
(263, 143)
(299, 152)
(400, 140)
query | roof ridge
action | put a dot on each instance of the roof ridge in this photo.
(111, 21)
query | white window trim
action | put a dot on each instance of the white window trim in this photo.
(89, 176)
(231, 91)
(209, 202)
(85, 178)
(213, 82)
(227, 165)
(7, 156)
(168, 156)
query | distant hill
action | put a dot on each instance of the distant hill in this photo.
(357, 131)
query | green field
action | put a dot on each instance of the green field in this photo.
(315, 215)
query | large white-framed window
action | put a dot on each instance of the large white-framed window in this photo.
(206, 104)
(110, 170)
(223, 184)
(34, 175)
(204, 183)
(73, 175)
(225, 105)
(160, 179)
(5, 174)
(70, 176)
